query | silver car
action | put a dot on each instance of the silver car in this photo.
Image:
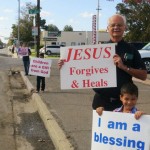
(50, 49)
(145, 55)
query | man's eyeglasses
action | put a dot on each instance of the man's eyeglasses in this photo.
(116, 25)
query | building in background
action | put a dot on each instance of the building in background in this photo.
(71, 38)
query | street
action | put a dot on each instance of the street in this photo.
(21, 127)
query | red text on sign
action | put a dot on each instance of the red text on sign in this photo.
(88, 53)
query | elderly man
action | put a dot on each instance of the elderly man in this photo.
(128, 62)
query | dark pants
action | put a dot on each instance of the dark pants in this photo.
(109, 103)
(40, 83)
(26, 66)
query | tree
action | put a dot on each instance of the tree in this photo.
(25, 30)
(52, 27)
(138, 22)
(42, 23)
(26, 24)
(68, 28)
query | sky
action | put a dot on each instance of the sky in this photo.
(77, 13)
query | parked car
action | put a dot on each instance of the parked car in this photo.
(50, 49)
(145, 55)
(138, 45)
(1, 46)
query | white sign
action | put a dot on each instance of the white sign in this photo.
(40, 67)
(34, 30)
(23, 51)
(120, 131)
(88, 66)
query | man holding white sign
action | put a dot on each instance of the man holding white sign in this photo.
(128, 64)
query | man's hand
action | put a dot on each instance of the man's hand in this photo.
(118, 62)
(60, 63)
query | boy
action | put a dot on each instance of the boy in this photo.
(40, 80)
(128, 97)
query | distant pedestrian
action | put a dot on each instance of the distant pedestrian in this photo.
(25, 52)
(40, 80)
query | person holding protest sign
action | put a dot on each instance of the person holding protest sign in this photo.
(128, 64)
(25, 52)
(128, 97)
(40, 80)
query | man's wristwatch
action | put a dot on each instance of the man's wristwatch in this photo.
(128, 68)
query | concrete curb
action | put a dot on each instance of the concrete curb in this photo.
(147, 81)
(57, 135)
(28, 84)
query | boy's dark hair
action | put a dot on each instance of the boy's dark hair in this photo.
(129, 88)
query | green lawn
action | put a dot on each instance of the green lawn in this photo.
(45, 56)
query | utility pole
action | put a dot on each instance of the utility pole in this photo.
(98, 9)
(38, 26)
(18, 23)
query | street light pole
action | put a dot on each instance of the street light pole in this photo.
(18, 23)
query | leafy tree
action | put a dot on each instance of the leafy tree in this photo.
(137, 15)
(68, 28)
(26, 24)
(52, 27)
(42, 23)
(45, 27)
(25, 30)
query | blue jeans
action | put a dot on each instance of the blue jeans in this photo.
(26, 66)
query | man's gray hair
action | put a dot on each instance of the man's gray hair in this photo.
(123, 17)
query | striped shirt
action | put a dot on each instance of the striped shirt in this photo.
(133, 110)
